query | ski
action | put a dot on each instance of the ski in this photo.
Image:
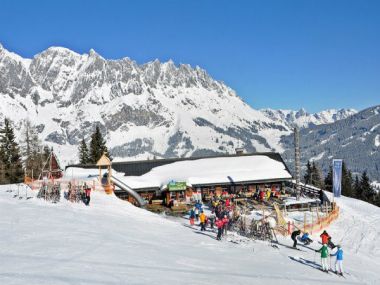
(332, 271)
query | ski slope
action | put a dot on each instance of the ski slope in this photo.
(113, 242)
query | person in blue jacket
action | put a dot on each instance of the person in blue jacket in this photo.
(306, 239)
(339, 260)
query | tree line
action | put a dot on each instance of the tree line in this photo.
(26, 157)
(29, 155)
(355, 186)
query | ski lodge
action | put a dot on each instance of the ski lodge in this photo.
(177, 181)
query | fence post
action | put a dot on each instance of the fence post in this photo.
(304, 222)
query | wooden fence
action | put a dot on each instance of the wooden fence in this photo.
(319, 224)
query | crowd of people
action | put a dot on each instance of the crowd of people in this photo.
(222, 215)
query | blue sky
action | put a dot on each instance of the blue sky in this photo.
(277, 54)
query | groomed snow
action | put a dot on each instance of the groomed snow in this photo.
(212, 170)
(112, 242)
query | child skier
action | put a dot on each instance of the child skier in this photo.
(324, 256)
(339, 260)
(306, 239)
(219, 225)
(202, 217)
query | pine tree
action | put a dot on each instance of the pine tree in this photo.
(357, 188)
(316, 175)
(83, 153)
(307, 176)
(2, 166)
(368, 193)
(329, 179)
(346, 181)
(377, 199)
(31, 150)
(10, 155)
(97, 146)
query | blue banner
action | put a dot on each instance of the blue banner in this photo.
(337, 177)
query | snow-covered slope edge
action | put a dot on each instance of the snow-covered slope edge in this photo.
(112, 242)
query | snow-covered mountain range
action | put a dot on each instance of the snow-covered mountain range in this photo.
(355, 139)
(303, 119)
(144, 110)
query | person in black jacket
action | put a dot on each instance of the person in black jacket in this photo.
(294, 237)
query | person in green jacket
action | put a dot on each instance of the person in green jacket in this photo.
(324, 255)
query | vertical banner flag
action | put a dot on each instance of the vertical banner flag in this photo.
(337, 177)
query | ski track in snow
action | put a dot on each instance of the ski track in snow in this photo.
(112, 242)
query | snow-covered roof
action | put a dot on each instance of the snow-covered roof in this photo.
(216, 170)
(80, 173)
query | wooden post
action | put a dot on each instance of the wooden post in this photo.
(304, 222)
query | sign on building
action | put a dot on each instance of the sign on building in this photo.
(176, 186)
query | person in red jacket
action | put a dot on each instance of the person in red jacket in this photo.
(325, 237)
(225, 224)
(87, 194)
(262, 195)
(219, 225)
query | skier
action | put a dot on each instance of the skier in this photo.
(87, 193)
(339, 260)
(325, 237)
(324, 254)
(330, 243)
(192, 216)
(219, 225)
(212, 219)
(196, 213)
(261, 195)
(294, 237)
(305, 239)
(202, 218)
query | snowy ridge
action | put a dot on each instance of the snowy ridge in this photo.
(112, 242)
(303, 119)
